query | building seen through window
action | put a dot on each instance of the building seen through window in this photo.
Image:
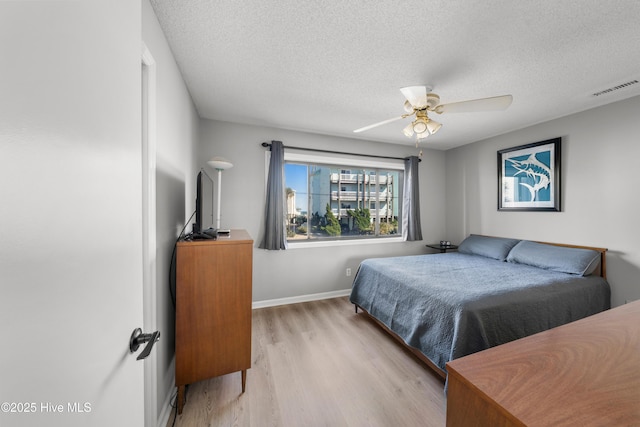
(339, 202)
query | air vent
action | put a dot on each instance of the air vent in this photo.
(614, 88)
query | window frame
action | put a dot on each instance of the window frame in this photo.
(341, 160)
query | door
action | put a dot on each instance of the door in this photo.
(151, 413)
(70, 217)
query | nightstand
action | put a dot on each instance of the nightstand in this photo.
(442, 248)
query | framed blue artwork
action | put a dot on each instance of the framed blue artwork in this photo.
(529, 177)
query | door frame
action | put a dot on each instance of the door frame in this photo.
(149, 245)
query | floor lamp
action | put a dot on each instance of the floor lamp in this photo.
(219, 164)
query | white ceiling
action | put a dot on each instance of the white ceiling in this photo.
(332, 66)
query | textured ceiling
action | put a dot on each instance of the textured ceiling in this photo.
(330, 67)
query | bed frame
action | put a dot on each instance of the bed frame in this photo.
(601, 271)
(417, 353)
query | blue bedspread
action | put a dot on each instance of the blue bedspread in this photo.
(451, 305)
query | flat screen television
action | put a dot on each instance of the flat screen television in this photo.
(204, 205)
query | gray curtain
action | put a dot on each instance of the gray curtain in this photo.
(275, 232)
(411, 229)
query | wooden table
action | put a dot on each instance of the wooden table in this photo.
(585, 373)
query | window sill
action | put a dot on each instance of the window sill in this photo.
(333, 243)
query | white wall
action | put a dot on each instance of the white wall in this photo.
(176, 141)
(298, 272)
(600, 202)
(70, 217)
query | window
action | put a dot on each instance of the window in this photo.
(330, 199)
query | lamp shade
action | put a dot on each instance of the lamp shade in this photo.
(408, 130)
(433, 127)
(419, 126)
(220, 163)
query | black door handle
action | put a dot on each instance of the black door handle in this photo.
(138, 338)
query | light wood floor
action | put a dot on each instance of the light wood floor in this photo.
(320, 364)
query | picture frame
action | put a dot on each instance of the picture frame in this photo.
(529, 177)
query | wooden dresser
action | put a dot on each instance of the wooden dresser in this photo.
(213, 309)
(585, 373)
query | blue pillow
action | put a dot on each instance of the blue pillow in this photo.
(557, 258)
(490, 247)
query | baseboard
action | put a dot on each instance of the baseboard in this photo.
(163, 418)
(300, 298)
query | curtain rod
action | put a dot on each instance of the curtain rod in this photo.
(266, 144)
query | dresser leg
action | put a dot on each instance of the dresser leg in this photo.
(244, 380)
(180, 399)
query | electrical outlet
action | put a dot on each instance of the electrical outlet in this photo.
(348, 272)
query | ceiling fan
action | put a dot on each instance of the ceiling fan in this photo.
(420, 101)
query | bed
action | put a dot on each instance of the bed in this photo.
(492, 291)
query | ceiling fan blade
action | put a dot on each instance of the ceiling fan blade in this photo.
(494, 103)
(380, 123)
(416, 95)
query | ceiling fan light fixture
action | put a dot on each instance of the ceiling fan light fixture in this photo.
(408, 130)
(433, 126)
(423, 135)
(419, 125)
(420, 101)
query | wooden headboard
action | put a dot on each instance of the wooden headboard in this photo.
(602, 268)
